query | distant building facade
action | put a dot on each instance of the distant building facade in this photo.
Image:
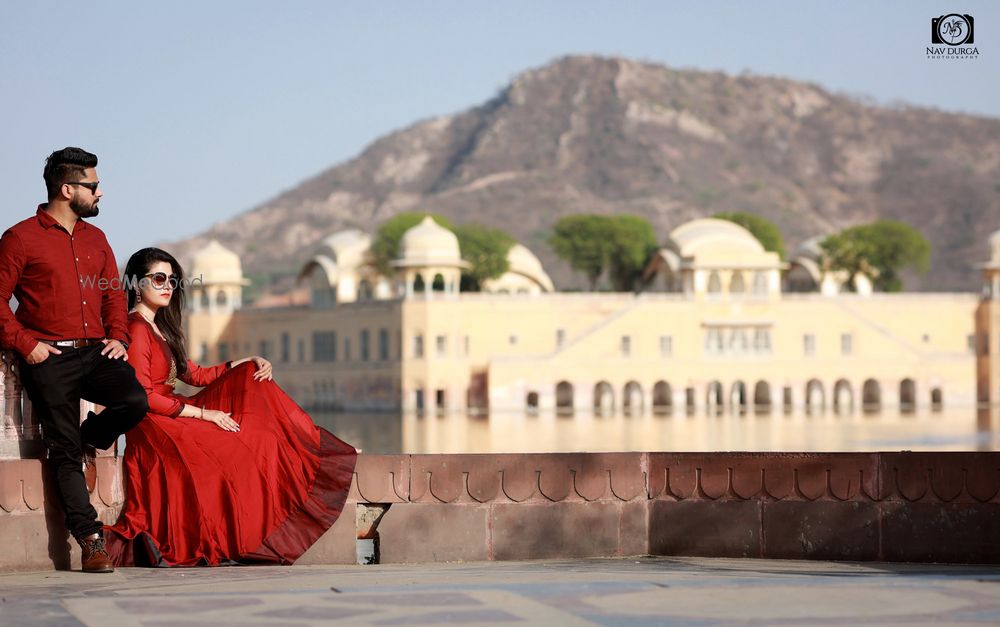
(726, 324)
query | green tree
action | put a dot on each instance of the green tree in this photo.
(385, 248)
(631, 241)
(582, 241)
(594, 244)
(766, 232)
(879, 250)
(486, 249)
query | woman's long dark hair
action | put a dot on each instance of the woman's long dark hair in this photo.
(168, 319)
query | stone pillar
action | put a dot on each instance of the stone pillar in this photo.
(922, 399)
(547, 397)
(678, 400)
(774, 284)
(890, 392)
(700, 396)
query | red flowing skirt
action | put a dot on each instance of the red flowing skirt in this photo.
(198, 495)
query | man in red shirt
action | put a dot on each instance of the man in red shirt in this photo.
(70, 333)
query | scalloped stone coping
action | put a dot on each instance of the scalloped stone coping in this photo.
(917, 507)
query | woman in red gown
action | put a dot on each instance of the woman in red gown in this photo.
(237, 473)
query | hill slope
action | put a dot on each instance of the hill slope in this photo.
(609, 135)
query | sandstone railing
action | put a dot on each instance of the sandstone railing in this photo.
(20, 436)
(919, 507)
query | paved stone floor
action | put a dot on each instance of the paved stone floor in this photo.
(632, 591)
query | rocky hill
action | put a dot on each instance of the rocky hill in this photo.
(611, 135)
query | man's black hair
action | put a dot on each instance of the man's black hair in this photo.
(65, 166)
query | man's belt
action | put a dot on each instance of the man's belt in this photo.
(73, 343)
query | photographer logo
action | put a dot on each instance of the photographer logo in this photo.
(953, 29)
(953, 35)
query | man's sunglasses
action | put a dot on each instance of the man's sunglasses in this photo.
(159, 280)
(91, 185)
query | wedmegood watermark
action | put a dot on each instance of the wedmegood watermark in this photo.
(136, 282)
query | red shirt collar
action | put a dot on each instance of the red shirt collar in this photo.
(48, 221)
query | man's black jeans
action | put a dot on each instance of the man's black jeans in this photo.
(55, 388)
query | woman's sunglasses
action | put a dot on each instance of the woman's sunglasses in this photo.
(159, 280)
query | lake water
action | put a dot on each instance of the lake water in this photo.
(961, 429)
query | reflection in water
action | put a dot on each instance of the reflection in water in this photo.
(380, 433)
(964, 429)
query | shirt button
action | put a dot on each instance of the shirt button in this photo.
(84, 302)
(84, 324)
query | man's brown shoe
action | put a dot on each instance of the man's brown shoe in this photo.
(95, 556)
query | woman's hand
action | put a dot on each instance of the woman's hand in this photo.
(263, 369)
(221, 418)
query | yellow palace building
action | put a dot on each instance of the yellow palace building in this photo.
(725, 324)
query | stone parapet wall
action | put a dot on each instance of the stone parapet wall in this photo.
(32, 533)
(855, 506)
(919, 507)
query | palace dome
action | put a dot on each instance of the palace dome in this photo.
(429, 244)
(712, 233)
(347, 248)
(524, 262)
(216, 264)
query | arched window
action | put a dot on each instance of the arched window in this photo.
(418, 284)
(531, 402)
(714, 283)
(907, 394)
(762, 340)
(843, 396)
(204, 300)
(323, 296)
(604, 398)
(713, 340)
(762, 395)
(937, 399)
(221, 299)
(736, 286)
(738, 340)
(871, 395)
(759, 283)
(662, 397)
(632, 400)
(564, 397)
(671, 280)
(438, 284)
(815, 397)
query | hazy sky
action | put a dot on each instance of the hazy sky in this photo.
(201, 110)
